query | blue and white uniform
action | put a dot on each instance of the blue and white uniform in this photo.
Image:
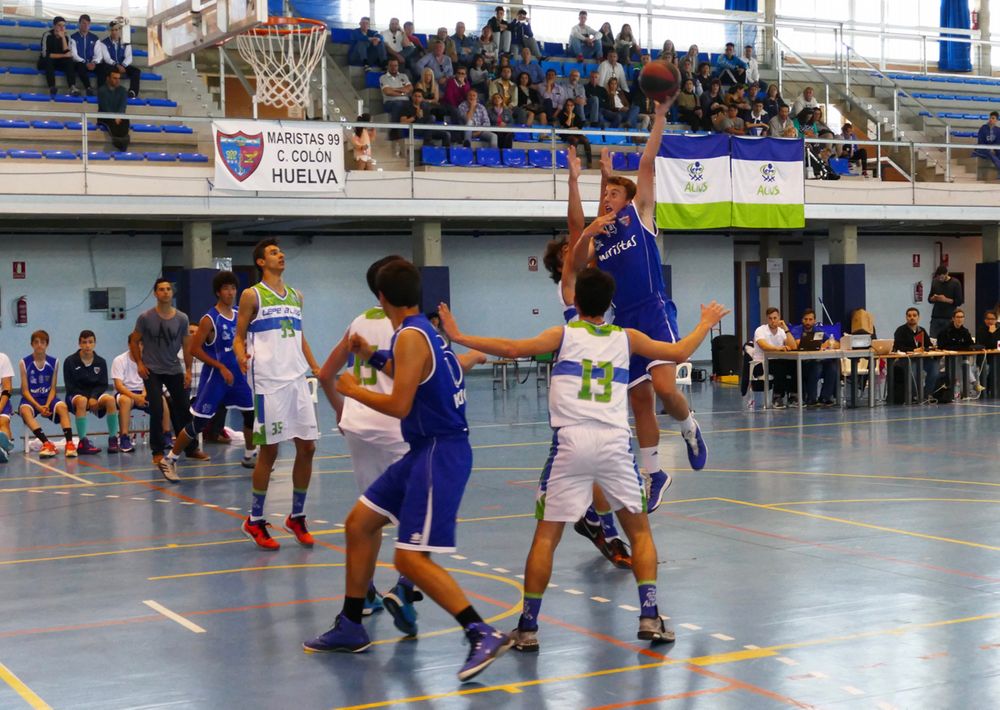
(6, 370)
(40, 380)
(422, 491)
(213, 392)
(569, 310)
(627, 250)
(588, 409)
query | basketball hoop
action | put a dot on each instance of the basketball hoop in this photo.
(283, 53)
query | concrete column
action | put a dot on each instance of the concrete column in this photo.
(770, 11)
(843, 244)
(985, 51)
(770, 284)
(197, 245)
(991, 243)
(427, 244)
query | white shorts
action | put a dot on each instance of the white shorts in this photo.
(286, 414)
(370, 459)
(582, 455)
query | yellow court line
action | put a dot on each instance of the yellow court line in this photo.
(876, 476)
(881, 528)
(238, 570)
(27, 694)
(851, 423)
(887, 500)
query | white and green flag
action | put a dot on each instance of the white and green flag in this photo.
(693, 185)
(768, 187)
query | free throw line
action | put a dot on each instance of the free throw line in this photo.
(173, 616)
(26, 693)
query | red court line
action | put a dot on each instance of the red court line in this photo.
(834, 548)
(749, 687)
(110, 540)
(663, 698)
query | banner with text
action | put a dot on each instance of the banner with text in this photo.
(768, 191)
(279, 156)
(693, 188)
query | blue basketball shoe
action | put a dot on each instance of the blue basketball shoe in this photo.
(345, 636)
(399, 603)
(486, 644)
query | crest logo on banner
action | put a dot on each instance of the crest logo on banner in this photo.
(768, 172)
(240, 152)
(696, 171)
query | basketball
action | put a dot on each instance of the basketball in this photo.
(659, 80)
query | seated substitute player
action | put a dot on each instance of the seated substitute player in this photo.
(625, 247)
(6, 386)
(592, 440)
(39, 378)
(222, 383)
(373, 438)
(421, 492)
(130, 393)
(85, 374)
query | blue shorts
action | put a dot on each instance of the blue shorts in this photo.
(422, 491)
(53, 417)
(213, 392)
(656, 318)
(101, 411)
(8, 410)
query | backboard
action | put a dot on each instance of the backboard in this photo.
(178, 27)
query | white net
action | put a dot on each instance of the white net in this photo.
(283, 53)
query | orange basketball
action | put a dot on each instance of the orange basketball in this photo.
(659, 80)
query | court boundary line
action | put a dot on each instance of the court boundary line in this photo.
(21, 688)
(174, 616)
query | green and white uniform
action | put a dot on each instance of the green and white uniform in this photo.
(283, 406)
(592, 442)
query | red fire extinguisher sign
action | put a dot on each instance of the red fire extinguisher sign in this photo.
(19, 270)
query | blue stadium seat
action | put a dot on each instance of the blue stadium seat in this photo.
(562, 159)
(655, 53)
(540, 158)
(13, 45)
(973, 98)
(136, 102)
(596, 139)
(25, 154)
(553, 49)
(145, 128)
(98, 28)
(524, 137)
(32, 96)
(13, 123)
(128, 157)
(59, 155)
(461, 156)
(618, 137)
(150, 76)
(556, 66)
(372, 79)
(3, 153)
(422, 37)
(95, 155)
(515, 158)
(975, 116)
(5, 22)
(8, 96)
(177, 128)
(578, 66)
(48, 125)
(633, 161)
(67, 99)
(619, 161)
(587, 68)
(139, 52)
(192, 158)
(91, 99)
(32, 23)
(162, 157)
(841, 166)
(488, 157)
(340, 35)
(162, 103)
(964, 134)
(434, 155)
(927, 114)
(28, 71)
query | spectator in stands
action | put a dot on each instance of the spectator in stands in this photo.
(692, 56)
(583, 40)
(57, 56)
(527, 64)
(912, 338)
(501, 117)
(752, 71)
(466, 46)
(501, 30)
(570, 118)
(607, 36)
(712, 103)
(689, 108)
(115, 54)
(946, 295)
(111, 98)
(731, 123)
(488, 48)
(804, 125)
(729, 68)
(362, 140)
(852, 151)
(807, 99)
(597, 101)
(757, 122)
(553, 94)
(430, 87)
(396, 91)
(687, 74)
(83, 46)
(416, 112)
(367, 48)
(439, 63)
(479, 75)
(578, 92)
(624, 114)
(773, 100)
(736, 96)
(627, 44)
(455, 91)
(818, 121)
(781, 124)
(474, 114)
(410, 31)
(989, 135)
(669, 52)
(450, 50)
(507, 89)
(818, 157)
(611, 68)
(814, 370)
(704, 77)
(529, 101)
(773, 336)
(521, 34)
(397, 44)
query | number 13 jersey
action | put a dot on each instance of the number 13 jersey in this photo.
(590, 376)
(375, 327)
(275, 336)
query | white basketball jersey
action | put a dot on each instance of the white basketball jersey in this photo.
(275, 339)
(590, 376)
(374, 326)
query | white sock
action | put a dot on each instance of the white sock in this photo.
(172, 456)
(248, 453)
(688, 425)
(649, 459)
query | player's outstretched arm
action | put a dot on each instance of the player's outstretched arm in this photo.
(411, 354)
(684, 348)
(574, 205)
(645, 196)
(335, 361)
(583, 253)
(545, 342)
(470, 359)
(247, 312)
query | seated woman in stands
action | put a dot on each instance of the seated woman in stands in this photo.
(362, 140)
(529, 100)
(569, 118)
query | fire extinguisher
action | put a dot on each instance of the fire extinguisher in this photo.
(918, 292)
(975, 20)
(21, 311)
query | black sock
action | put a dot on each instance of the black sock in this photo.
(467, 617)
(68, 433)
(39, 435)
(354, 608)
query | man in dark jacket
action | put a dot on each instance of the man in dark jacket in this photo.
(85, 375)
(957, 337)
(111, 98)
(912, 338)
(946, 295)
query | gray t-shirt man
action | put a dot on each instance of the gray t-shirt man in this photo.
(162, 339)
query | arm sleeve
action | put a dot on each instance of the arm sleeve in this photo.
(69, 379)
(127, 61)
(74, 51)
(959, 296)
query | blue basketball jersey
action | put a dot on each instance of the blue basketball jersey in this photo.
(627, 251)
(39, 380)
(439, 405)
(221, 347)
